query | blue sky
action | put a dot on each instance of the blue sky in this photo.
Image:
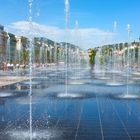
(94, 16)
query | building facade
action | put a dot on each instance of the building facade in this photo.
(2, 44)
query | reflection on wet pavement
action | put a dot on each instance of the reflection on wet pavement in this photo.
(91, 110)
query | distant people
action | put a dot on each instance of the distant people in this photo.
(12, 67)
(17, 66)
(5, 66)
(24, 66)
(8, 66)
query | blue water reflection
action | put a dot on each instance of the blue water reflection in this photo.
(93, 110)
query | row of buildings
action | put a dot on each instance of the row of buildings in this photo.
(15, 49)
(116, 55)
(10, 45)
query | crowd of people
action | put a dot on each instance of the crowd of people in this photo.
(5, 66)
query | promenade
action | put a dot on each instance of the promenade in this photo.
(8, 80)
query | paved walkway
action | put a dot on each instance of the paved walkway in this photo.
(8, 80)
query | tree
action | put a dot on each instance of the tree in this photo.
(25, 54)
(92, 54)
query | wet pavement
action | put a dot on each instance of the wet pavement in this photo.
(91, 109)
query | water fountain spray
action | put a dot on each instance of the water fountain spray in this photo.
(114, 83)
(8, 48)
(128, 59)
(66, 46)
(115, 26)
(128, 95)
(30, 2)
(67, 12)
(18, 49)
(76, 42)
(114, 49)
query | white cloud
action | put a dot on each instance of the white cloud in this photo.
(84, 37)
